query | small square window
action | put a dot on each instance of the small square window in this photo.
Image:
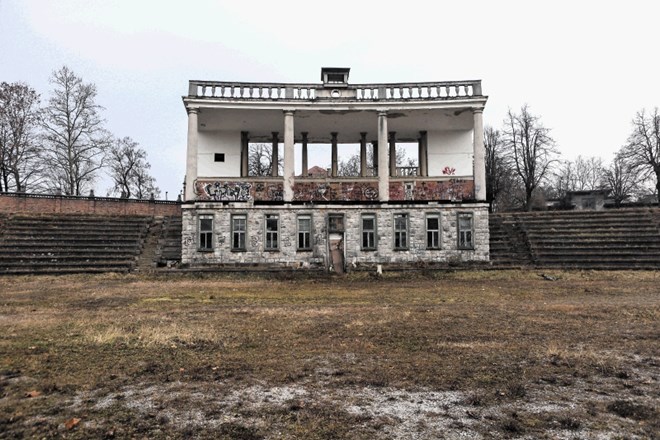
(219, 157)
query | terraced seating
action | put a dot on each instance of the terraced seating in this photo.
(59, 243)
(612, 239)
(169, 243)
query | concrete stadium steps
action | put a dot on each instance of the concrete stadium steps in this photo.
(169, 242)
(613, 239)
(60, 243)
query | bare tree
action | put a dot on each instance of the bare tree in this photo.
(581, 174)
(531, 148)
(642, 151)
(498, 171)
(75, 140)
(588, 173)
(128, 167)
(20, 163)
(260, 160)
(622, 179)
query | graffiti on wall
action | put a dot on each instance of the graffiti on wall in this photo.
(432, 190)
(324, 191)
(268, 191)
(223, 191)
(335, 191)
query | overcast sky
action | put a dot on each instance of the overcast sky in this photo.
(585, 67)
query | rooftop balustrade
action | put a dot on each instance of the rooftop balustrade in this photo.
(242, 91)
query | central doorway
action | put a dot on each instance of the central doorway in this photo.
(336, 237)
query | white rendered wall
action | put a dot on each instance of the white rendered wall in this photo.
(211, 142)
(452, 149)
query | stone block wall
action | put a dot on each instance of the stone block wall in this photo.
(289, 255)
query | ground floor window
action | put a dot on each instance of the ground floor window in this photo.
(304, 232)
(400, 231)
(433, 231)
(238, 231)
(465, 230)
(368, 226)
(272, 232)
(205, 232)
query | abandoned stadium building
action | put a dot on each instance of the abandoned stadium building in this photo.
(432, 211)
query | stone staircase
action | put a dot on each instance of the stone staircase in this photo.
(60, 243)
(611, 239)
(169, 242)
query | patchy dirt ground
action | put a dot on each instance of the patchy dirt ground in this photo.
(424, 356)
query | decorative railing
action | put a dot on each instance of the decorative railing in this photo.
(352, 92)
(406, 171)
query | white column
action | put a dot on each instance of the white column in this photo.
(423, 154)
(363, 154)
(191, 156)
(392, 154)
(245, 143)
(304, 154)
(383, 165)
(275, 155)
(479, 156)
(333, 160)
(288, 156)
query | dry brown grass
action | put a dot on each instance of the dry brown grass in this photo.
(403, 356)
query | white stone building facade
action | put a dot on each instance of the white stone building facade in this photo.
(432, 213)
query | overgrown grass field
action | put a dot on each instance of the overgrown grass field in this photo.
(504, 354)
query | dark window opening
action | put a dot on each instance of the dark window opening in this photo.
(206, 233)
(400, 231)
(335, 77)
(304, 233)
(272, 232)
(238, 232)
(368, 232)
(465, 231)
(433, 231)
(336, 223)
(219, 157)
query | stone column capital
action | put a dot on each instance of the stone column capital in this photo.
(192, 110)
(477, 110)
(289, 112)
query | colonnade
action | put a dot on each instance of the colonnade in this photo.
(386, 157)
